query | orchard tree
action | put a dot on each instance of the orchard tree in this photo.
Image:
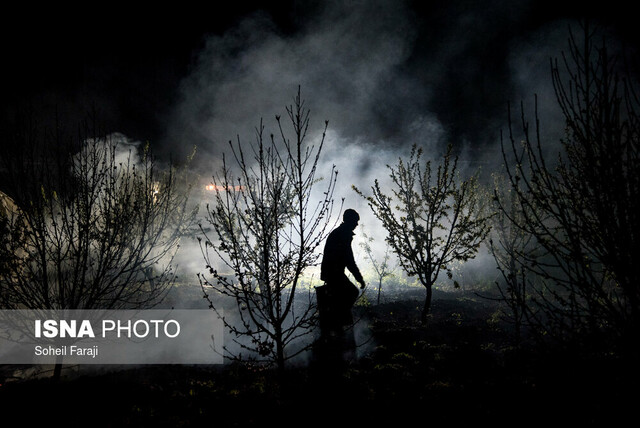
(581, 208)
(381, 268)
(93, 224)
(433, 218)
(508, 243)
(265, 230)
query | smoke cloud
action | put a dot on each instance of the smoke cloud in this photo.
(347, 61)
(385, 74)
(353, 62)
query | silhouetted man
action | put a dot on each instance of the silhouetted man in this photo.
(341, 293)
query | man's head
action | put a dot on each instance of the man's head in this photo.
(350, 218)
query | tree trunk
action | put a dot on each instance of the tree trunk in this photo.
(57, 369)
(280, 358)
(426, 310)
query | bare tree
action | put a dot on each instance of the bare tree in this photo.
(433, 219)
(267, 229)
(583, 211)
(507, 243)
(381, 268)
(91, 227)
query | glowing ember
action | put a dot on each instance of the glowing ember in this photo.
(216, 187)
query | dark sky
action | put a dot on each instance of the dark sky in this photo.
(128, 60)
(447, 62)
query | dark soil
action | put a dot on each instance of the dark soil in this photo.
(461, 369)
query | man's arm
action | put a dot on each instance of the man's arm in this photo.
(353, 268)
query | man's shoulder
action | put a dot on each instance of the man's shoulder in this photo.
(341, 233)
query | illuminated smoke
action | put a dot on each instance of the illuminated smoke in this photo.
(382, 79)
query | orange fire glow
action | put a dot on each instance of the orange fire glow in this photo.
(216, 187)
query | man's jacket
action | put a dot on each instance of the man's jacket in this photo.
(338, 255)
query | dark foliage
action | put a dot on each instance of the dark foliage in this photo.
(461, 370)
(578, 210)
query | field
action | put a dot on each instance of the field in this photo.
(461, 369)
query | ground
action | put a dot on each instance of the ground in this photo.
(460, 369)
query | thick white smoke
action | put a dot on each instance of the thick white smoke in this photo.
(346, 61)
(378, 76)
